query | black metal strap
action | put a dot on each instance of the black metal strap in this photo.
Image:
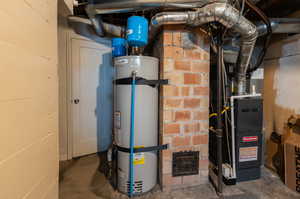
(141, 81)
(144, 149)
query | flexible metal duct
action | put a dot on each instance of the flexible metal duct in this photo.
(280, 25)
(223, 13)
(230, 18)
(113, 4)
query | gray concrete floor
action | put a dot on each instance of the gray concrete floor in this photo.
(81, 179)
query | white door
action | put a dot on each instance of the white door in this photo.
(91, 97)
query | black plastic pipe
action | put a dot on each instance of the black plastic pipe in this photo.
(219, 119)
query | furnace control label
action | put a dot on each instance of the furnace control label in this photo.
(248, 154)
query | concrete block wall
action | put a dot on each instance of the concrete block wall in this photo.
(184, 103)
(28, 100)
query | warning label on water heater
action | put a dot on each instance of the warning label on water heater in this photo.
(138, 158)
(248, 154)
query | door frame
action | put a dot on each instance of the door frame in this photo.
(69, 126)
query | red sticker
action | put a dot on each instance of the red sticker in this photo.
(250, 139)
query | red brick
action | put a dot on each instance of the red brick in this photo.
(181, 141)
(172, 103)
(173, 28)
(193, 54)
(205, 102)
(192, 128)
(169, 180)
(170, 91)
(203, 151)
(191, 103)
(204, 126)
(177, 39)
(205, 55)
(203, 164)
(200, 139)
(185, 91)
(201, 66)
(204, 78)
(168, 38)
(167, 154)
(172, 128)
(167, 64)
(182, 65)
(167, 166)
(201, 91)
(200, 115)
(174, 77)
(192, 180)
(204, 174)
(168, 51)
(177, 52)
(184, 148)
(190, 78)
(167, 139)
(182, 115)
(168, 115)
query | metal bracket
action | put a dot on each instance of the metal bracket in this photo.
(141, 81)
(145, 149)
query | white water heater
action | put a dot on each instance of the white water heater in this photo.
(146, 122)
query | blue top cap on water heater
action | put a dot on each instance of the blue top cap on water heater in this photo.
(118, 47)
(137, 31)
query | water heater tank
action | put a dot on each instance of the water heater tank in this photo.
(146, 122)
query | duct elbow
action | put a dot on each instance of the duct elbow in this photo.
(165, 18)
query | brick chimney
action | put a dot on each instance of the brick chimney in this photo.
(184, 105)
